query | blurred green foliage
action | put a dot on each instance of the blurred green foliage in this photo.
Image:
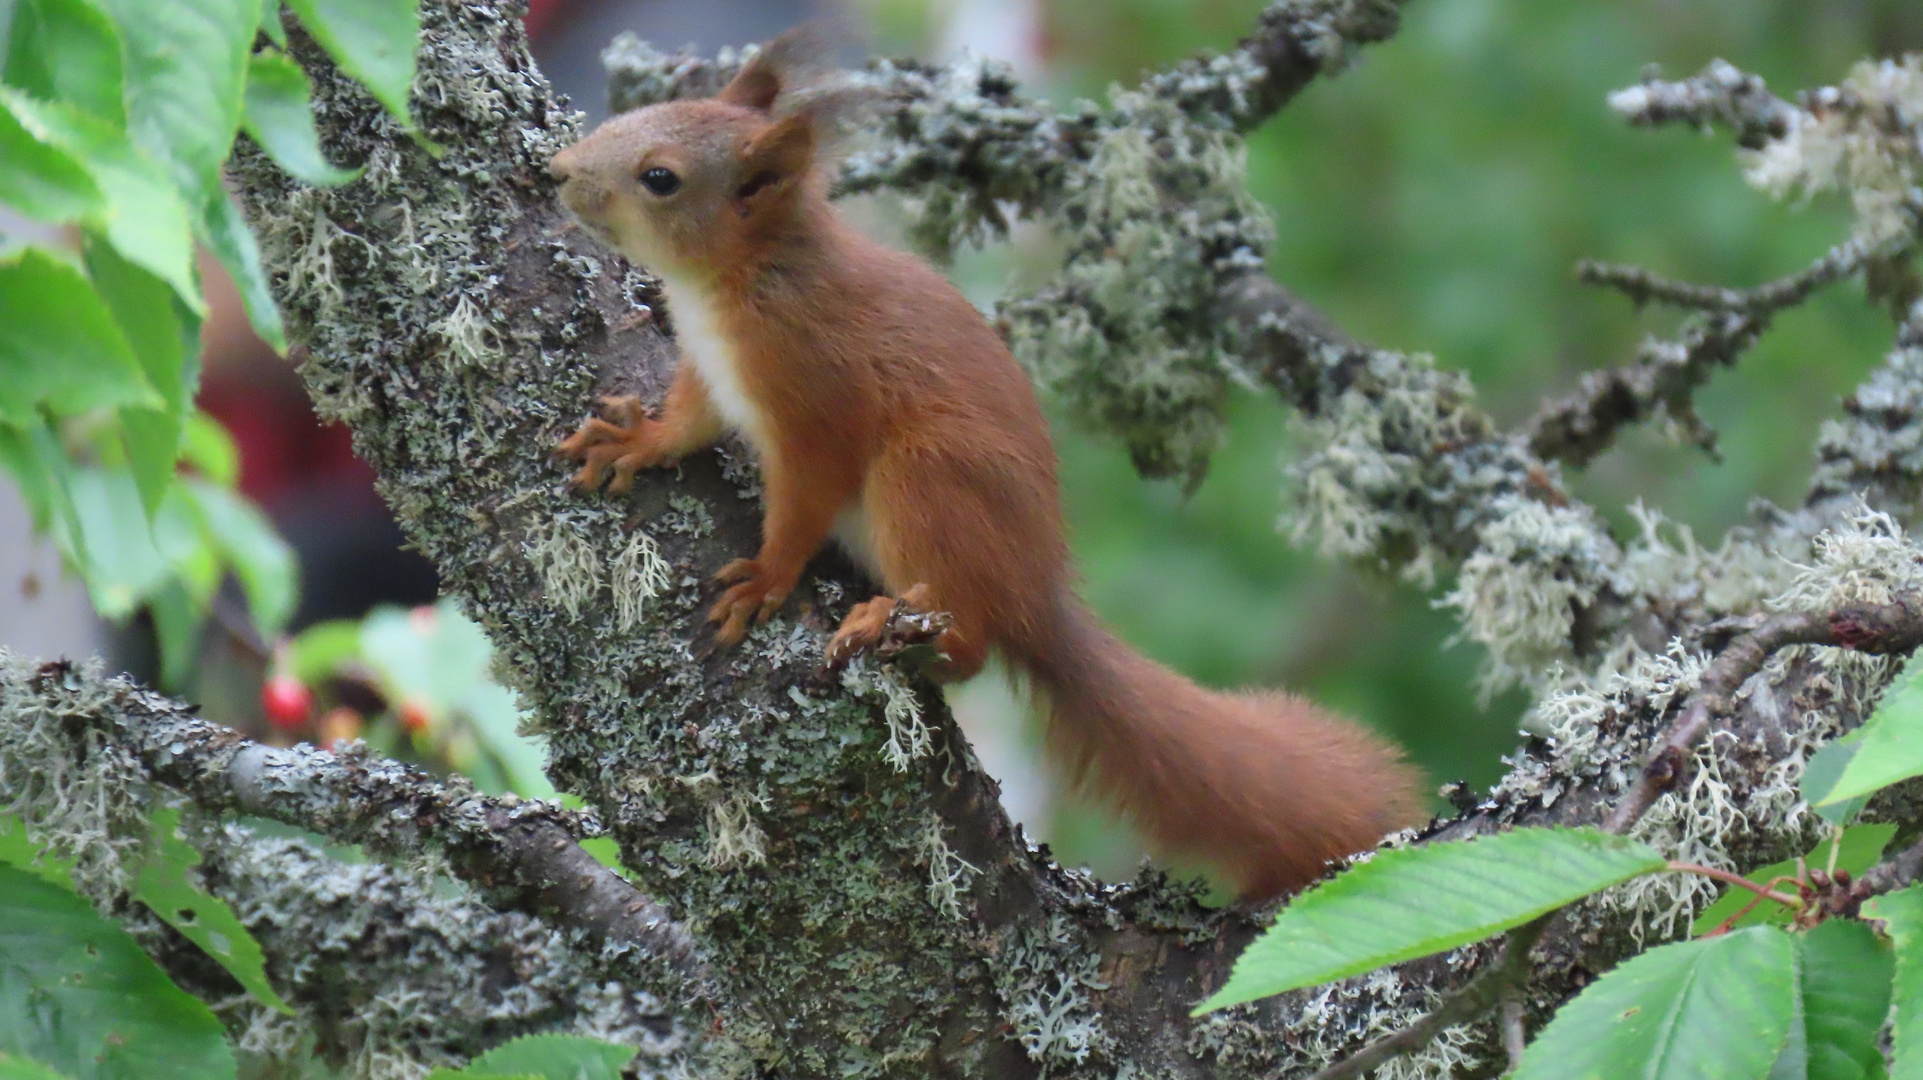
(1436, 197)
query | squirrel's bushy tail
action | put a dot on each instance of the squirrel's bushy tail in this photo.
(1263, 785)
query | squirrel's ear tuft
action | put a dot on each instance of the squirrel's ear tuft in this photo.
(787, 62)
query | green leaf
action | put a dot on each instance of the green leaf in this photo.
(69, 51)
(438, 658)
(21, 853)
(225, 232)
(371, 40)
(548, 1057)
(270, 23)
(39, 463)
(206, 920)
(44, 182)
(19, 1068)
(261, 559)
(279, 118)
(153, 443)
(1414, 901)
(1825, 768)
(186, 62)
(211, 450)
(165, 338)
(1843, 982)
(1902, 916)
(123, 562)
(77, 994)
(320, 651)
(1716, 1006)
(1861, 847)
(59, 347)
(177, 630)
(1891, 743)
(144, 216)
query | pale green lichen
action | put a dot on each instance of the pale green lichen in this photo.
(1324, 1025)
(569, 565)
(470, 339)
(1366, 476)
(80, 795)
(638, 575)
(949, 874)
(1045, 976)
(909, 736)
(1519, 593)
(1878, 447)
(734, 839)
(1126, 332)
(1858, 138)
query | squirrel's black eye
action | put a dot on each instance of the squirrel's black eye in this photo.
(660, 181)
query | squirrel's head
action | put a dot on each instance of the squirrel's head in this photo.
(687, 188)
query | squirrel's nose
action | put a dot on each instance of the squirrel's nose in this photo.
(560, 168)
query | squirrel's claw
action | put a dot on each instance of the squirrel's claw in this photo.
(887, 627)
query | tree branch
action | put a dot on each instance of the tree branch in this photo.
(391, 976)
(523, 855)
(1721, 94)
(1884, 630)
(1475, 998)
(1643, 286)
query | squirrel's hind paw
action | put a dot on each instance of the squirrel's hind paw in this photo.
(888, 627)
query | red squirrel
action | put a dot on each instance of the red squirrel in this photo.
(887, 412)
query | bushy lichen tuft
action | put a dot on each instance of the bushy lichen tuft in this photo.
(1858, 138)
(1127, 332)
(1519, 594)
(80, 795)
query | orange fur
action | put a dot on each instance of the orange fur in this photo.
(874, 393)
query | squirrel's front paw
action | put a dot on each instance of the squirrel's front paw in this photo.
(626, 445)
(753, 594)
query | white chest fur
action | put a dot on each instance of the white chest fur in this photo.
(713, 356)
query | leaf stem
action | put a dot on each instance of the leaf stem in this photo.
(1762, 891)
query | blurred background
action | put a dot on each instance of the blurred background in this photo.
(1435, 197)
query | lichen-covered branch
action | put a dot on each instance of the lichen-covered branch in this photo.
(522, 854)
(1721, 94)
(389, 978)
(1497, 983)
(1894, 629)
(1575, 428)
(865, 906)
(386, 975)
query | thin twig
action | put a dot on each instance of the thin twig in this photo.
(1720, 94)
(1646, 286)
(1578, 426)
(1472, 1000)
(1883, 629)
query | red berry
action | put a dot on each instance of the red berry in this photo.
(414, 716)
(288, 701)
